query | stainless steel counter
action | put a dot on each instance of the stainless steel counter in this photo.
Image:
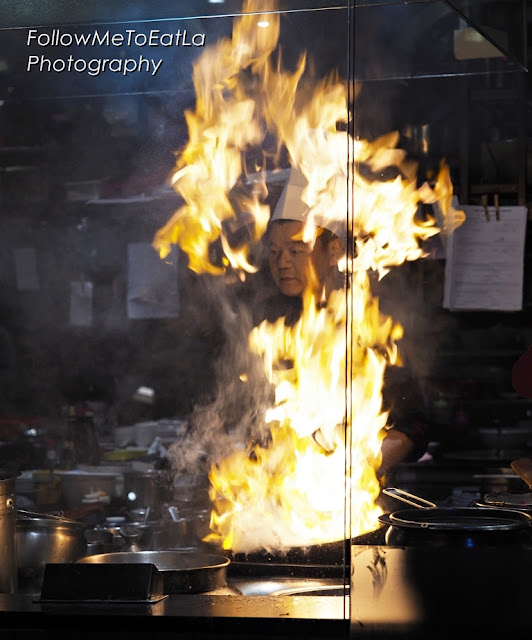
(194, 616)
(395, 592)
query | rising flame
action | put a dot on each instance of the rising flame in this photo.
(327, 421)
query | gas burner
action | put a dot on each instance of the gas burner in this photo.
(277, 579)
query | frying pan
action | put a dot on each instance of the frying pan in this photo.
(183, 572)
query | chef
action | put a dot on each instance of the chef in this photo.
(296, 263)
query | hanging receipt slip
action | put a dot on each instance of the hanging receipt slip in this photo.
(484, 260)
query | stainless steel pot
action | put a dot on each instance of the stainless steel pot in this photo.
(143, 489)
(183, 572)
(187, 528)
(44, 539)
(8, 565)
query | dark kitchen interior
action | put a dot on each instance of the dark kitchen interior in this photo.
(101, 338)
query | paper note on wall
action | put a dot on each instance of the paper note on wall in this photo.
(484, 260)
(152, 290)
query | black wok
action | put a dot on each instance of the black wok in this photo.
(467, 527)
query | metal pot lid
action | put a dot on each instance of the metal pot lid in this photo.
(460, 519)
(48, 520)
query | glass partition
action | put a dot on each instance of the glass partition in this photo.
(149, 298)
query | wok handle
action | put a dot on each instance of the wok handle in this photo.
(409, 498)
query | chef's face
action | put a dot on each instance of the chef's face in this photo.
(295, 264)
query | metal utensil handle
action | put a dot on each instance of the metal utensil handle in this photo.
(409, 498)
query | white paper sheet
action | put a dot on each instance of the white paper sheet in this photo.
(152, 282)
(484, 260)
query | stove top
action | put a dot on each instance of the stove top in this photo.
(274, 578)
(143, 583)
(288, 587)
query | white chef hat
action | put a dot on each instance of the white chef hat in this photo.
(291, 205)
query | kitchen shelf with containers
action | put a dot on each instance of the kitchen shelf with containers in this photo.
(82, 488)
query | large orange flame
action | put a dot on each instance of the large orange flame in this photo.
(316, 478)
